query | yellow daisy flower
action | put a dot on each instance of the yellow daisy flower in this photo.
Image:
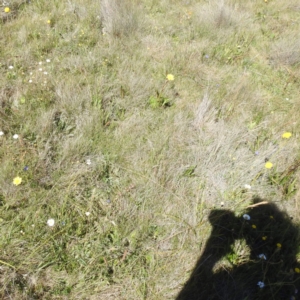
(278, 245)
(170, 77)
(7, 9)
(17, 180)
(286, 135)
(268, 165)
(254, 226)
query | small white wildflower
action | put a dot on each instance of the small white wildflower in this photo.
(247, 186)
(10, 67)
(45, 73)
(50, 222)
(261, 284)
(48, 60)
(40, 63)
(40, 69)
(1, 133)
(87, 213)
(88, 162)
(262, 256)
(246, 217)
(30, 81)
(30, 73)
(15, 136)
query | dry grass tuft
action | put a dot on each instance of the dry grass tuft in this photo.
(286, 51)
(119, 18)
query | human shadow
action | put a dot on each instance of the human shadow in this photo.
(265, 265)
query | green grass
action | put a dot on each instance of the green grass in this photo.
(128, 163)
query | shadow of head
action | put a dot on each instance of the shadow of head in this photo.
(225, 227)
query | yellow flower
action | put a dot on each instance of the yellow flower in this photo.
(49, 21)
(278, 245)
(254, 226)
(286, 135)
(264, 238)
(268, 165)
(7, 9)
(17, 180)
(170, 77)
(297, 270)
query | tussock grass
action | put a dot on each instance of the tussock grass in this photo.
(129, 164)
(119, 18)
(286, 51)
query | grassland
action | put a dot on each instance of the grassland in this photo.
(126, 162)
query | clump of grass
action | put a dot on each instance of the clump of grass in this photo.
(286, 52)
(119, 18)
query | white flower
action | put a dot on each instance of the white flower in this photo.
(40, 63)
(50, 222)
(87, 213)
(247, 186)
(262, 256)
(261, 284)
(30, 81)
(88, 162)
(1, 133)
(10, 67)
(246, 217)
(48, 60)
(45, 73)
(15, 136)
(40, 69)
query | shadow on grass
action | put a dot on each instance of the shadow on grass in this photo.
(265, 269)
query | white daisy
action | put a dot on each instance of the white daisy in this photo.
(50, 222)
